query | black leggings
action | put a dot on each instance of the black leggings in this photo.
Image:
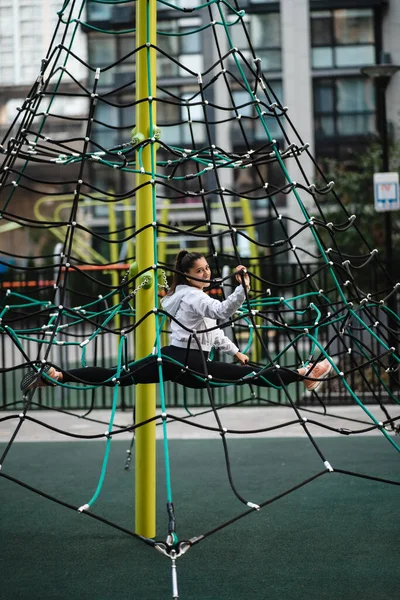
(146, 371)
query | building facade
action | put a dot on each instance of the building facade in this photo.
(311, 54)
(311, 51)
(27, 29)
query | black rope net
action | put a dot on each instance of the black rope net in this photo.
(236, 203)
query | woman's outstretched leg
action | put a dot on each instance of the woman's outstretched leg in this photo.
(312, 376)
(142, 371)
(189, 369)
(86, 375)
(197, 369)
(245, 374)
(145, 370)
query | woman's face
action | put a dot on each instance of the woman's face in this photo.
(201, 270)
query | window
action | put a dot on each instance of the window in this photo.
(353, 26)
(266, 30)
(254, 126)
(169, 44)
(102, 53)
(30, 12)
(188, 3)
(179, 39)
(125, 72)
(7, 58)
(106, 118)
(321, 28)
(107, 50)
(193, 111)
(264, 33)
(271, 122)
(344, 107)
(99, 11)
(190, 40)
(6, 24)
(31, 43)
(7, 75)
(168, 115)
(342, 38)
(175, 107)
(28, 73)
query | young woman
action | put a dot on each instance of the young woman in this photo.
(195, 332)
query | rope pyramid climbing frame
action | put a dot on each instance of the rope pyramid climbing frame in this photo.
(340, 319)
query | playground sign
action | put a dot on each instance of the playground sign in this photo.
(386, 191)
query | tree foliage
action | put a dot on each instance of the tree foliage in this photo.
(354, 187)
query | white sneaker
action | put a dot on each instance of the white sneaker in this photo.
(318, 371)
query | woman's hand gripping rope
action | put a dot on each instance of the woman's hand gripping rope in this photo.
(242, 276)
(242, 358)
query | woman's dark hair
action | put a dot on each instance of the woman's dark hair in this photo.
(184, 261)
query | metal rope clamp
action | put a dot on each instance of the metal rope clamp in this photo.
(171, 550)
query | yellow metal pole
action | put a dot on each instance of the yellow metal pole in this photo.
(114, 255)
(128, 227)
(255, 266)
(145, 457)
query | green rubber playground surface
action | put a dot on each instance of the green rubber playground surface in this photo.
(335, 538)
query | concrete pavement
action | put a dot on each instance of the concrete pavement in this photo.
(242, 419)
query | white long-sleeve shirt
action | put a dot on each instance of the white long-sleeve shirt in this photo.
(197, 312)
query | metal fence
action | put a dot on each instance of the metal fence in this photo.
(102, 351)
